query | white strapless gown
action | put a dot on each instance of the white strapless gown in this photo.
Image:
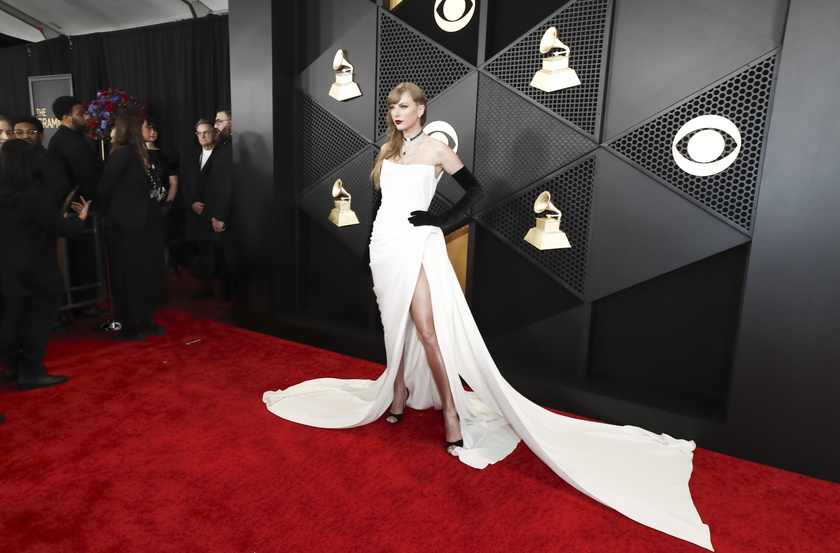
(640, 474)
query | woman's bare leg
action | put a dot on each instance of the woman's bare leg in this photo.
(421, 314)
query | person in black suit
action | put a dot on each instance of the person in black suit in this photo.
(53, 176)
(218, 207)
(195, 174)
(30, 279)
(83, 167)
(129, 195)
(69, 145)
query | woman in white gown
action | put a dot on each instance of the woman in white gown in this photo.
(432, 342)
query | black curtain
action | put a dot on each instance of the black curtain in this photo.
(181, 69)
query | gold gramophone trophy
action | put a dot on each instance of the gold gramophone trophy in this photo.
(555, 73)
(547, 234)
(342, 214)
(344, 87)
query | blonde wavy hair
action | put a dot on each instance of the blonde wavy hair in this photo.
(395, 136)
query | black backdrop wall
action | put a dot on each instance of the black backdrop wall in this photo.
(181, 69)
(666, 316)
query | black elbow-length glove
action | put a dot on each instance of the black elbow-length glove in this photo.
(473, 193)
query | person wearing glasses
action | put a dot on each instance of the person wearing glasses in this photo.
(53, 175)
(218, 205)
(195, 174)
(29, 129)
(30, 279)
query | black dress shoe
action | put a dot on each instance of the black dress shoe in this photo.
(152, 329)
(9, 374)
(2, 418)
(132, 333)
(202, 294)
(44, 380)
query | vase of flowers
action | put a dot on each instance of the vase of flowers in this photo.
(103, 111)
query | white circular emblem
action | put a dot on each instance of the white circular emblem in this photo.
(443, 131)
(453, 15)
(706, 145)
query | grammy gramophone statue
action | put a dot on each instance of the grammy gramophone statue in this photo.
(547, 234)
(342, 214)
(344, 88)
(555, 73)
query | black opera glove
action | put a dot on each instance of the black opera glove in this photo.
(472, 194)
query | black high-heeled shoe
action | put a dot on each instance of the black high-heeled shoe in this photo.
(398, 417)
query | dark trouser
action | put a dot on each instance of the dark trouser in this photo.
(25, 332)
(210, 255)
(82, 266)
(227, 244)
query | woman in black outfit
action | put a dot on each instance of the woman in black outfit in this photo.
(164, 165)
(129, 194)
(30, 279)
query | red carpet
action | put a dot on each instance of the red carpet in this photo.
(165, 446)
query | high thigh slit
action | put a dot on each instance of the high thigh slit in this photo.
(638, 473)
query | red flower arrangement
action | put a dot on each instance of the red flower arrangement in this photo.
(103, 111)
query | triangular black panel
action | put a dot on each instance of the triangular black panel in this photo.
(459, 17)
(360, 49)
(405, 55)
(744, 99)
(641, 229)
(516, 143)
(322, 142)
(583, 26)
(571, 193)
(318, 201)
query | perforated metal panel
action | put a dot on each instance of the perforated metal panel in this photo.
(439, 205)
(318, 201)
(517, 143)
(744, 99)
(583, 27)
(405, 55)
(571, 193)
(322, 142)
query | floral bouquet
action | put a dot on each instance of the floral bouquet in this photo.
(103, 111)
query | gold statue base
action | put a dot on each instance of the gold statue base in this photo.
(555, 75)
(342, 214)
(547, 235)
(344, 88)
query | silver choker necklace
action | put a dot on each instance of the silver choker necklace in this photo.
(410, 147)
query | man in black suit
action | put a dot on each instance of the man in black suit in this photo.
(195, 174)
(30, 279)
(83, 167)
(69, 145)
(53, 176)
(219, 205)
